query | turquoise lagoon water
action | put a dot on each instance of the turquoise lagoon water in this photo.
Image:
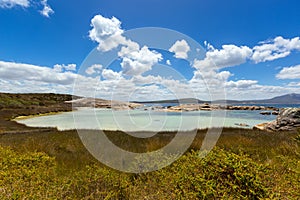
(141, 120)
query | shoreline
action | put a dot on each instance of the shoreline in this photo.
(23, 117)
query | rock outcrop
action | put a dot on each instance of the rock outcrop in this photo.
(101, 103)
(288, 119)
(210, 107)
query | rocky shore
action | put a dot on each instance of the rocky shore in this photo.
(288, 119)
(101, 103)
(210, 107)
(120, 105)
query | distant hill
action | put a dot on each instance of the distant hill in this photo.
(284, 99)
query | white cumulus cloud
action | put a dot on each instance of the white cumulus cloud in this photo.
(294, 84)
(241, 83)
(289, 73)
(47, 10)
(21, 77)
(109, 74)
(228, 56)
(181, 49)
(106, 32)
(94, 69)
(275, 49)
(20, 71)
(137, 61)
(12, 3)
(63, 67)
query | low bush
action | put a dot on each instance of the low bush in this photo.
(220, 174)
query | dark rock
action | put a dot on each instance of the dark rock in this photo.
(265, 113)
(288, 119)
(241, 124)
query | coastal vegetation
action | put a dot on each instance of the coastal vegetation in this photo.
(44, 163)
(245, 164)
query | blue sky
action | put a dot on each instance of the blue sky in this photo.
(57, 33)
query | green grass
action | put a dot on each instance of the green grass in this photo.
(246, 164)
(220, 174)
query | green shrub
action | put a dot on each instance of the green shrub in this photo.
(29, 175)
(219, 175)
(297, 138)
(97, 182)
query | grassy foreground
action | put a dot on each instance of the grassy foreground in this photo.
(246, 164)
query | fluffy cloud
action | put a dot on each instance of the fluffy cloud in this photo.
(106, 32)
(208, 74)
(274, 49)
(289, 73)
(94, 69)
(241, 84)
(257, 91)
(181, 49)
(229, 55)
(208, 46)
(109, 74)
(145, 88)
(12, 3)
(294, 84)
(26, 86)
(208, 82)
(211, 80)
(141, 80)
(61, 68)
(20, 71)
(140, 88)
(20, 77)
(168, 62)
(137, 61)
(47, 10)
(208, 69)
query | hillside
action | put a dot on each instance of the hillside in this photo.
(13, 105)
(8, 100)
(284, 99)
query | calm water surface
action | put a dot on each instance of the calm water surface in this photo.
(140, 120)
